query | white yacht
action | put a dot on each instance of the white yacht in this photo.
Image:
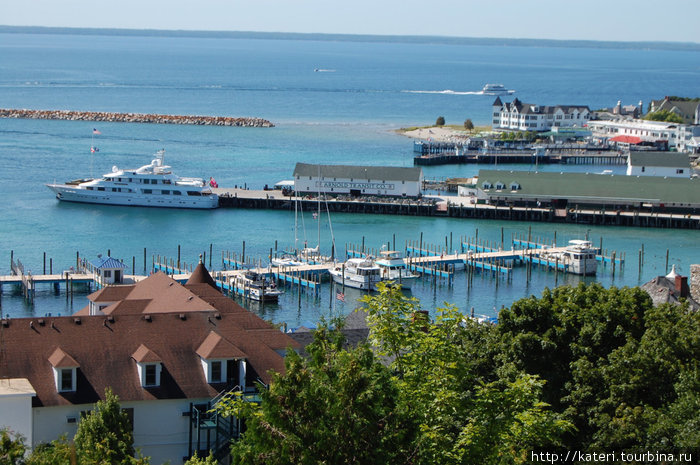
(306, 256)
(256, 286)
(359, 273)
(393, 268)
(152, 185)
(496, 89)
(580, 256)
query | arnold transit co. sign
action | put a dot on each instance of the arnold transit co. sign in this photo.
(355, 185)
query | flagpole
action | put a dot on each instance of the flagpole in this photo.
(92, 151)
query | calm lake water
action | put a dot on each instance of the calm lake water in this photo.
(346, 114)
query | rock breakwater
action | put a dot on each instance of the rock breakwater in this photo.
(110, 117)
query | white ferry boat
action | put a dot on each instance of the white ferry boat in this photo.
(580, 256)
(496, 89)
(358, 273)
(152, 185)
(393, 268)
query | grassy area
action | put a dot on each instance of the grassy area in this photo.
(453, 127)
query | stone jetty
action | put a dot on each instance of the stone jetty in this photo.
(110, 117)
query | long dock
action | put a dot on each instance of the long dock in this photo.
(460, 207)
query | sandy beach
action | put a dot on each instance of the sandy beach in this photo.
(437, 134)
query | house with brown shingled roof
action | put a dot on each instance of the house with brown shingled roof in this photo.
(164, 348)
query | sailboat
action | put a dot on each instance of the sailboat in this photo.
(307, 255)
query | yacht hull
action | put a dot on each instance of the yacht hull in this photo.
(67, 193)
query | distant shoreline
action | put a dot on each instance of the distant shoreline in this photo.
(446, 40)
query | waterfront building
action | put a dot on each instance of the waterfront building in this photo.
(357, 180)
(670, 164)
(164, 348)
(681, 137)
(687, 109)
(587, 190)
(519, 116)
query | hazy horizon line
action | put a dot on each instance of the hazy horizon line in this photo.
(426, 39)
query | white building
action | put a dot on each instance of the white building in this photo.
(678, 136)
(166, 350)
(666, 164)
(358, 180)
(519, 116)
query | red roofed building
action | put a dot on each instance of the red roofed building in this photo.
(165, 349)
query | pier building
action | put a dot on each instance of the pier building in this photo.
(169, 351)
(669, 164)
(357, 180)
(682, 137)
(566, 190)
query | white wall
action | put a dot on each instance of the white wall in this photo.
(657, 171)
(16, 415)
(365, 186)
(160, 430)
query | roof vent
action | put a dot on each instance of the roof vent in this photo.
(76, 321)
(183, 317)
(147, 318)
(190, 297)
(217, 315)
(41, 322)
(110, 318)
(6, 322)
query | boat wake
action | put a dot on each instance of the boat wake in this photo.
(446, 92)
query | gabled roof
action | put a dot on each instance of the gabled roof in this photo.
(60, 359)
(215, 346)
(145, 355)
(659, 159)
(105, 349)
(157, 294)
(108, 263)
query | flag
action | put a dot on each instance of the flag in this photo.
(95, 131)
(212, 182)
(340, 296)
(94, 149)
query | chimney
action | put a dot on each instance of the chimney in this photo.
(682, 286)
(695, 282)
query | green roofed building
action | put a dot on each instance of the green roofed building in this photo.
(520, 188)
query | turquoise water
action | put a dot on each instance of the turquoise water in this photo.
(347, 116)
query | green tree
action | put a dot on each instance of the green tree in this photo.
(663, 115)
(195, 460)
(12, 448)
(603, 353)
(58, 452)
(468, 125)
(440, 121)
(448, 385)
(105, 435)
(336, 406)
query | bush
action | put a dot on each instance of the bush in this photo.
(440, 121)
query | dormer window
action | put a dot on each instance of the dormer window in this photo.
(149, 366)
(222, 362)
(66, 379)
(65, 370)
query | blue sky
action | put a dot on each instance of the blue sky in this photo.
(625, 20)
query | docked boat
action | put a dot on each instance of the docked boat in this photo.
(579, 257)
(306, 256)
(393, 268)
(496, 89)
(152, 185)
(358, 273)
(256, 286)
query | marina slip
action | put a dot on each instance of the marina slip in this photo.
(345, 117)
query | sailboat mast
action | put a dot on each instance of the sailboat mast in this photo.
(318, 215)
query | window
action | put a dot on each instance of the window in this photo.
(151, 375)
(100, 188)
(165, 192)
(177, 193)
(194, 193)
(216, 371)
(147, 191)
(679, 171)
(107, 273)
(66, 382)
(146, 181)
